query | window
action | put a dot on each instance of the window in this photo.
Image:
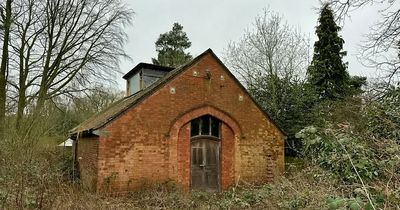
(205, 126)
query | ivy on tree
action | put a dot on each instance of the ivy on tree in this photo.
(327, 72)
(171, 47)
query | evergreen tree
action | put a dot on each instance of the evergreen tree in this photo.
(327, 72)
(171, 47)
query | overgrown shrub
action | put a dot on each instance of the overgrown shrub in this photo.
(356, 141)
(344, 153)
(31, 173)
(351, 203)
(293, 191)
(339, 152)
(383, 117)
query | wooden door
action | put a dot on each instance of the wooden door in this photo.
(204, 164)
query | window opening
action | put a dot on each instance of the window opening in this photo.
(206, 125)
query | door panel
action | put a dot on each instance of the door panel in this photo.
(204, 164)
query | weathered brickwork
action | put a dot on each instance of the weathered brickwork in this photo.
(87, 153)
(149, 143)
(180, 132)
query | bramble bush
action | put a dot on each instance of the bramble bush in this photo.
(383, 116)
(357, 142)
(332, 150)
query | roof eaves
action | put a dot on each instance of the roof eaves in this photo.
(144, 93)
(141, 95)
(155, 86)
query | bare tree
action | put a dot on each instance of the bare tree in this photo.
(25, 61)
(5, 25)
(381, 50)
(65, 112)
(269, 58)
(64, 46)
(95, 101)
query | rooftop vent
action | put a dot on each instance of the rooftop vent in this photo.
(143, 75)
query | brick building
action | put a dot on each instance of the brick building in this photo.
(195, 125)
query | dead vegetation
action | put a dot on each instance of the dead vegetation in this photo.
(35, 174)
(41, 182)
(50, 191)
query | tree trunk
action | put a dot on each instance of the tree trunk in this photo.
(21, 107)
(41, 100)
(4, 65)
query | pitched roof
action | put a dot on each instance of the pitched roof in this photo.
(119, 107)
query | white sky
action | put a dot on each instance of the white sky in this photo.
(213, 24)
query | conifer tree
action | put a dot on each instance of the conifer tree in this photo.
(171, 47)
(327, 72)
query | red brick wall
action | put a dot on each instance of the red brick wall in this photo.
(227, 156)
(142, 145)
(183, 162)
(87, 153)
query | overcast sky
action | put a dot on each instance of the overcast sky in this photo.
(213, 24)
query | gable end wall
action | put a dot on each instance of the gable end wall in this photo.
(134, 149)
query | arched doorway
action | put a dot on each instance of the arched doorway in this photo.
(180, 150)
(205, 153)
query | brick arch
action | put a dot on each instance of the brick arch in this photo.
(204, 110)
(179, 144)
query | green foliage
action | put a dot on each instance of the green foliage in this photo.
(292, 100)
(332, 150)
(356, 136)
(171, 47)
(351, 203)
(339, 113)
(355, 85)
(383, 116)
(327, 72)
(357, 201)
(288, 104)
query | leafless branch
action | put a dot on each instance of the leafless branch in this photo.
(381, 49)
(58, 44)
